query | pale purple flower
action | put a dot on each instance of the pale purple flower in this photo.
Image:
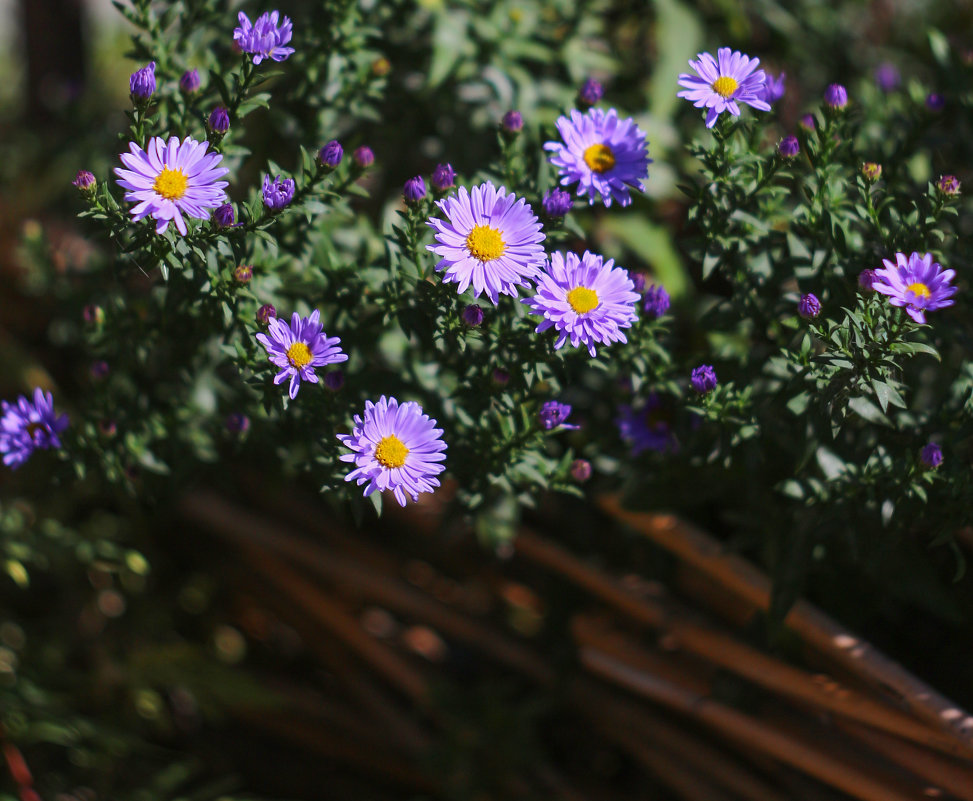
(395, 447)
(298, 348)
(773, 88)
(167, 181)
(26, 427)
(490, 239)
(264, 38)
(722, 83)
(587, 300)
(917, 283)
(602, 154)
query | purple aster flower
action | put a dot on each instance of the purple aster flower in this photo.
(26, 426)
(588, 300)
(512, 122)
(809, 306)
(871, 171)
(580, 470)
(948, 185)
(265, 313)
(602, 154)
(141, 84)
(85, 181)
(264, 38)
(590, 93)
(703, 379)
(363, 157)
(334, 380)
(223, 216)
(935, 101)
(490, 239)
(723, 82)
(931, 455)
(836, 96)
(395, 447)
(243, 273)
(773, 88)
(189, 82)
(414, 190)
(887, 77)
(638, 281)
(648, 428)
(806, 122)
(556, 203)
(170, 180)
(655, 302)
(443, 178)
(916, 282)
(299, 348)
(867, 279)
(219, 120)
(278, 192)
(789, 147)
(554, 414)
(473, 315)
(331, 154)
(237, 423)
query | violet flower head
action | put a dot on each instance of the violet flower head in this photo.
(867, 279)
(243, 273)
(931, 456)
(789, 147)
(887, 77)
(223, 216)
(871, 171)
(331, 154)
(580, 470)
(603, 155)
(948, 185)
(395, 447)
(277, 193)
(703, 379)
(553, 414)
(587, 300)
(648, 427)
(773, 88)
(265, 313)
(556, 203)
(809, 306)
(473, 315)
(169, 180)
(189, 82)
(27, 426)
(443, 178)
(917, 283)
(722, 83)
(141, 84)
(219, 120)
(807, 122)
(490, 239)
(638, 281)
(84, 181)
(590, 93)
(655, 302)
(414, 190)
(836, 96)
(363, 157)
(265, 38)
(298, 348)
(512, 122)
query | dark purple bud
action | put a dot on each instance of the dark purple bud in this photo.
(277, 193)
(836, 96)
(141, 84)
(331, 154)
(931, 455)
(363, 157)
(414, 190)
(887, 77)
(264, 313)
(703, 379)
(512, 122)
(809, 306)
(85, 181)
(656, 301)
(554, 414)
(935, 102)
(472, 315)
(100, 370)
(93, 314)
(866, 279)
(243, 273)
(789, 147)
(871, 171)
(948, 185)
(581, 470)
(223, 216)
(806, 122)
(556, 203)
(219, 120)
(590, 93)
(237, 423)
(638, 281)
(334, 380)
(443, 178)
(189, 82)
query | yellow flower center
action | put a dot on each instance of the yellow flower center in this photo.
(583, 299)
(919, 290)
(485, 243)
(299, 355)
(171, 184)
(599, 158)
(725, 86)
(390, 452)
